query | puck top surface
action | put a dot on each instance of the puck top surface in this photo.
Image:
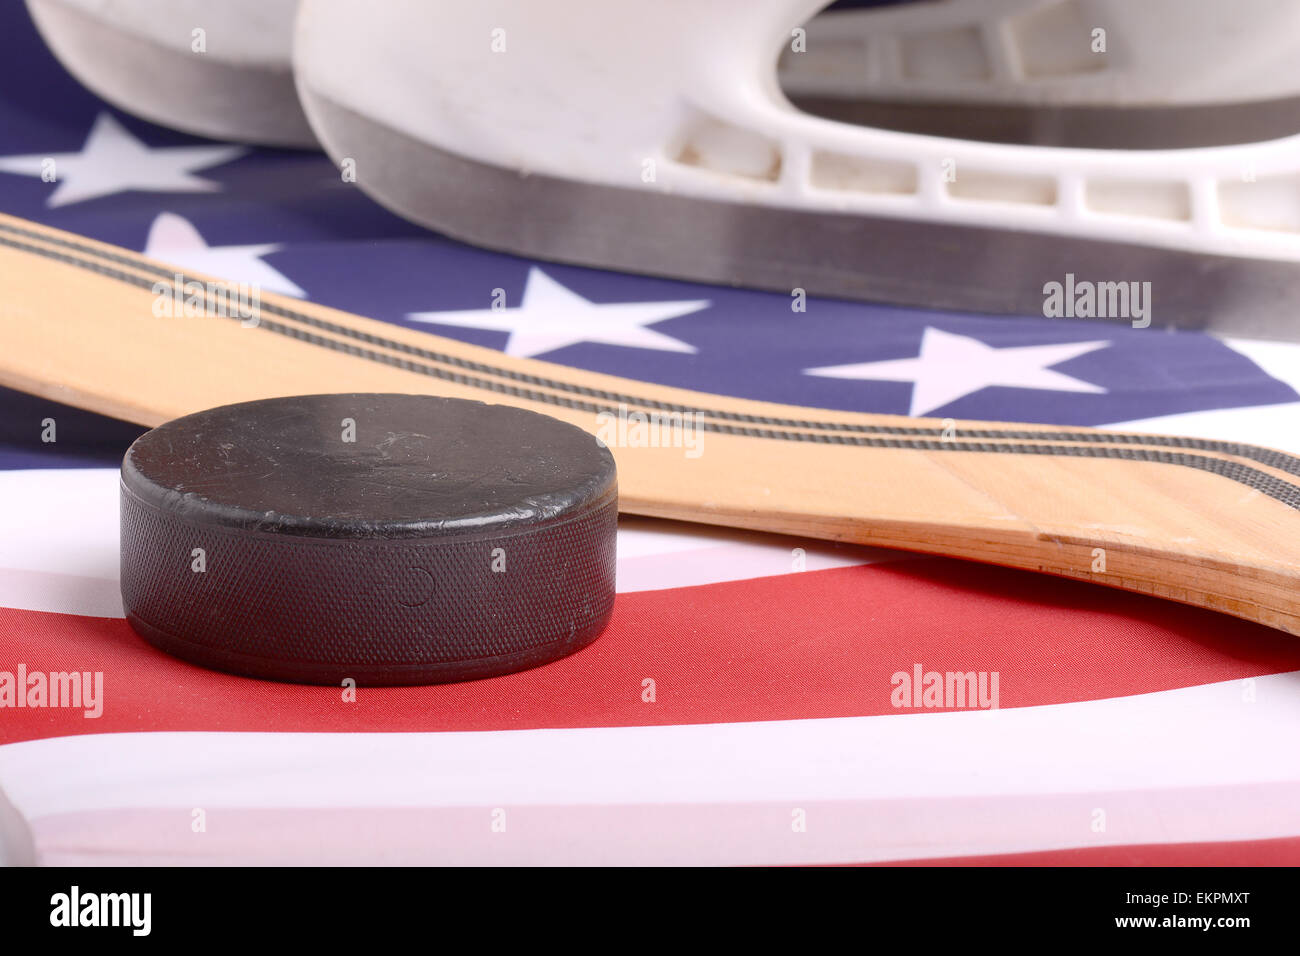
(369, 465)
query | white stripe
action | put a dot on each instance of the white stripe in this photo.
(60, 548)
(1209, 735)
(654, 555)
(1272, 426)
(59, 551)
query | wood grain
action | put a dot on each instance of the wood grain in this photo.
(1208, 523)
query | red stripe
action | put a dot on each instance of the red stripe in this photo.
(816, 644)
(1284, 851)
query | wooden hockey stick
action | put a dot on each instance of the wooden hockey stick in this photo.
(1209, 523)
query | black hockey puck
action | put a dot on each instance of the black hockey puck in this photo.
(391, 539)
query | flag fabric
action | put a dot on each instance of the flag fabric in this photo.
(756, 699)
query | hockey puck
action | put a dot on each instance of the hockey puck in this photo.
(391, 539)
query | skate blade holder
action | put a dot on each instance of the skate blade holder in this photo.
(1056, 72)
(678, 154)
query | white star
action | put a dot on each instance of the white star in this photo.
(173, 239)
(113, 161)
(551, 317)
(954, 366)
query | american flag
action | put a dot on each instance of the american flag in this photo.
(757, 699)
